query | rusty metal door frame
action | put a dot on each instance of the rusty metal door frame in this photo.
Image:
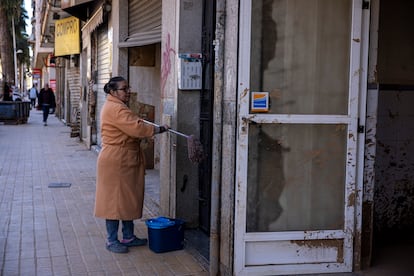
(206, 114)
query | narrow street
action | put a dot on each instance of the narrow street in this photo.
(48, 230)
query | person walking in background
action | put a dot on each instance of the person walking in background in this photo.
(121, 166)
(46, 101)
(33, 95)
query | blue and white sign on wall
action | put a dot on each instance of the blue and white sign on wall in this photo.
(260, 102)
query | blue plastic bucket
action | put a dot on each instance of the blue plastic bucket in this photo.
(165, 234)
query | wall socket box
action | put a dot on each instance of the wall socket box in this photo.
(190, 71)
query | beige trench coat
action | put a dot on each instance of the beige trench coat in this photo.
(121, 164)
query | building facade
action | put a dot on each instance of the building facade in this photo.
(301, 107)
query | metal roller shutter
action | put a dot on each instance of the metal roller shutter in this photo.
(144, 24)
(104, 72)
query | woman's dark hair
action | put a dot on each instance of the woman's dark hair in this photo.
(113, 84)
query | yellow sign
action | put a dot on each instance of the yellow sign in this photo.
(67, 36)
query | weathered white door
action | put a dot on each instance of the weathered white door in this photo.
(296, 170)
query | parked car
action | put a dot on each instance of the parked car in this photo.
(16, 97)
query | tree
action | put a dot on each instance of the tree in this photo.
(11, 9)
(22, 37)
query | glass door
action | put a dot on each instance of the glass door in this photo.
(297, 132)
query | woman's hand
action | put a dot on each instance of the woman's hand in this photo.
(163, 128)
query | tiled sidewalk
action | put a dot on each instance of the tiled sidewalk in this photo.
(52, 231)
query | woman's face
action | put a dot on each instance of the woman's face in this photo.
(123, 92)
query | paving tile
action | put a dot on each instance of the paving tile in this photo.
(92, 262)
(11, 267)
(12, 255)
(60, 266)
(76, 265)
(27, 266)
(162, 269)
(57, 248)
(52, 231)
(27, 251)
(111, 268)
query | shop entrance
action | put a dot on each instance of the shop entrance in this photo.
(390, 191)
(199, 237)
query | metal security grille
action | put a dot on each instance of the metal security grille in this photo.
(103, 72)
(144, 23)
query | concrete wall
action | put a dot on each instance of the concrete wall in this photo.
(181, 32)
(394, 169)
(118, 26)
(188, 114)
(396, 42)
(169, 50)
(394, 165)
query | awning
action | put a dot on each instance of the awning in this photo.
(80, 9)
(95, 20)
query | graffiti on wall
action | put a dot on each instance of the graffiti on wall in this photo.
(166, 62)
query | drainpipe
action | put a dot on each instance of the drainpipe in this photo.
(217, 138)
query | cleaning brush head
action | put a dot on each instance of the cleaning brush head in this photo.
(195, 149)
(194, 146)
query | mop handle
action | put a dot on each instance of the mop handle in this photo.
(170, 130)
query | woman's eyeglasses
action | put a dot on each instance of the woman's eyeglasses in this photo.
(125, 89)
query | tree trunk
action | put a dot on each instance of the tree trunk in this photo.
(6, 48)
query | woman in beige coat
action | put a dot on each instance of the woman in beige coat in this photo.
(121, 166)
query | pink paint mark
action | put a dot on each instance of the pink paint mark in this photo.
(166, 65)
